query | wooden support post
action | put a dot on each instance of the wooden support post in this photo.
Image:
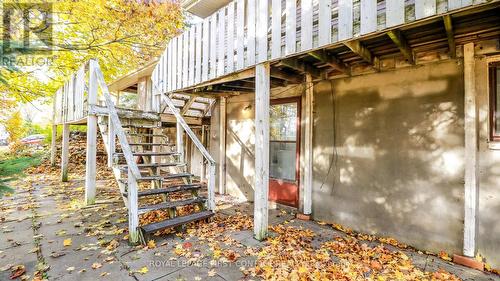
(222, 146)
(90, 165)
(204, 143)
(180, 141)
(53, 148)
(65, 152)
(133, 212)
(262, 100)
(471, 146)
(308, 147)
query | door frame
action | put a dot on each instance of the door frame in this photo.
(298, 101)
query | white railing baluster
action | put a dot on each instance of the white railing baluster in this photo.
(197, 67)
(240, 34)
(306, 25)
(345, 19)
(221, 41)
(291, 27)
(213, 46)
(185, 61)
(394, 12)
(368, 21)
(262, 20)
(325, 22)
(205, 51)
(276, 29)
(251, 32)
(191, 56)
(230, 38)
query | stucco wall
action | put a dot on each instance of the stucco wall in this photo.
(388, 154)
(489, 175)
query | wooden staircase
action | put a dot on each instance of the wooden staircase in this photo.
(163, 175)
(149, 168)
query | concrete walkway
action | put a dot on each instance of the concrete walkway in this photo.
(45, 228)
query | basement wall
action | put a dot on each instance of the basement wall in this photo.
(388, 154)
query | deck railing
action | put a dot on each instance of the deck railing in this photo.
(70, 101)
(246, 32)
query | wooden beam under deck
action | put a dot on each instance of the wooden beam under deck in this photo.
(330, 60)
(448, 26)
(359, 49)
(400, 41)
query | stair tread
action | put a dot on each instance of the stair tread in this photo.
(165, 177)
(150, 153)
(170, 189)
(152, 144)
(151, 165)
(173, 222)
(171, 204)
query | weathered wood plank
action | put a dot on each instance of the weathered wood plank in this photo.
(450, 34)
(291, 27)
(191, 56)
(368, 20)
(276, 29)
(91, 149)
(179, 61)
(185, 59)
(251, 32)
(425, 8)
(213, 46)
(133, 208)
(230, 38)
(240, 34)
(399, 40)
(262, 19)
(306, 25)
(198, 66)
(222, 145)
(170, 67)
(394, 12)
(262, 103)
(325, 23)
(471, 162)
(221, 42)
(65, 152)
(308, 145)
(345, 20)
(205, 52)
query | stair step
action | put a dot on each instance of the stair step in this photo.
(152, 144)
(166, 177)
(153, 165)
(175, 188)
(173, 222)
(145, 135)
(171, 204)
(149, 153)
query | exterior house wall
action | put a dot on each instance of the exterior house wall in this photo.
(488, 241)
(388, 154)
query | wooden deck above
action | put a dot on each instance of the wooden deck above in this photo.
(312, 36)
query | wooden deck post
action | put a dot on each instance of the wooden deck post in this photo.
(262, 100)
(308, 147)
(65, 152)
(180, 141)
(203, 165)
(471, 146)
(90, 166)
(133, 212)
(222, 146)
(53, 148)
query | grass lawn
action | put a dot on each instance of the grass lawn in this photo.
(12, 166)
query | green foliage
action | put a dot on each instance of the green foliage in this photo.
(14, 126)
(12, 166)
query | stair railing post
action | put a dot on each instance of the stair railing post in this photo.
(111, 142)
(211, 187)
(133, 212)
(90, 169)
(180, 141)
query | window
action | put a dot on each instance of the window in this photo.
(494, 73)
(283, 141)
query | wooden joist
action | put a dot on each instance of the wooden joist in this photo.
(400, 41)
(299, 66)
(330, 60)
(276, 73)
(187, 105)
(356, 47)
(448, 26)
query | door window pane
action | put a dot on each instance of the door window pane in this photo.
(283, 141)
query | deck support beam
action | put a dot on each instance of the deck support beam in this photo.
(331, 61)
(90, 165)
(53, 147)
(300, 66)
(448, 26)
(471, 147)
(400, 41)
(262, 103)
(222, 145)
(356, 47)
(65, 152)
(308, 146)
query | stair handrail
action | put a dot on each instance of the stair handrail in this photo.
(211, 179)
(118, 129)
